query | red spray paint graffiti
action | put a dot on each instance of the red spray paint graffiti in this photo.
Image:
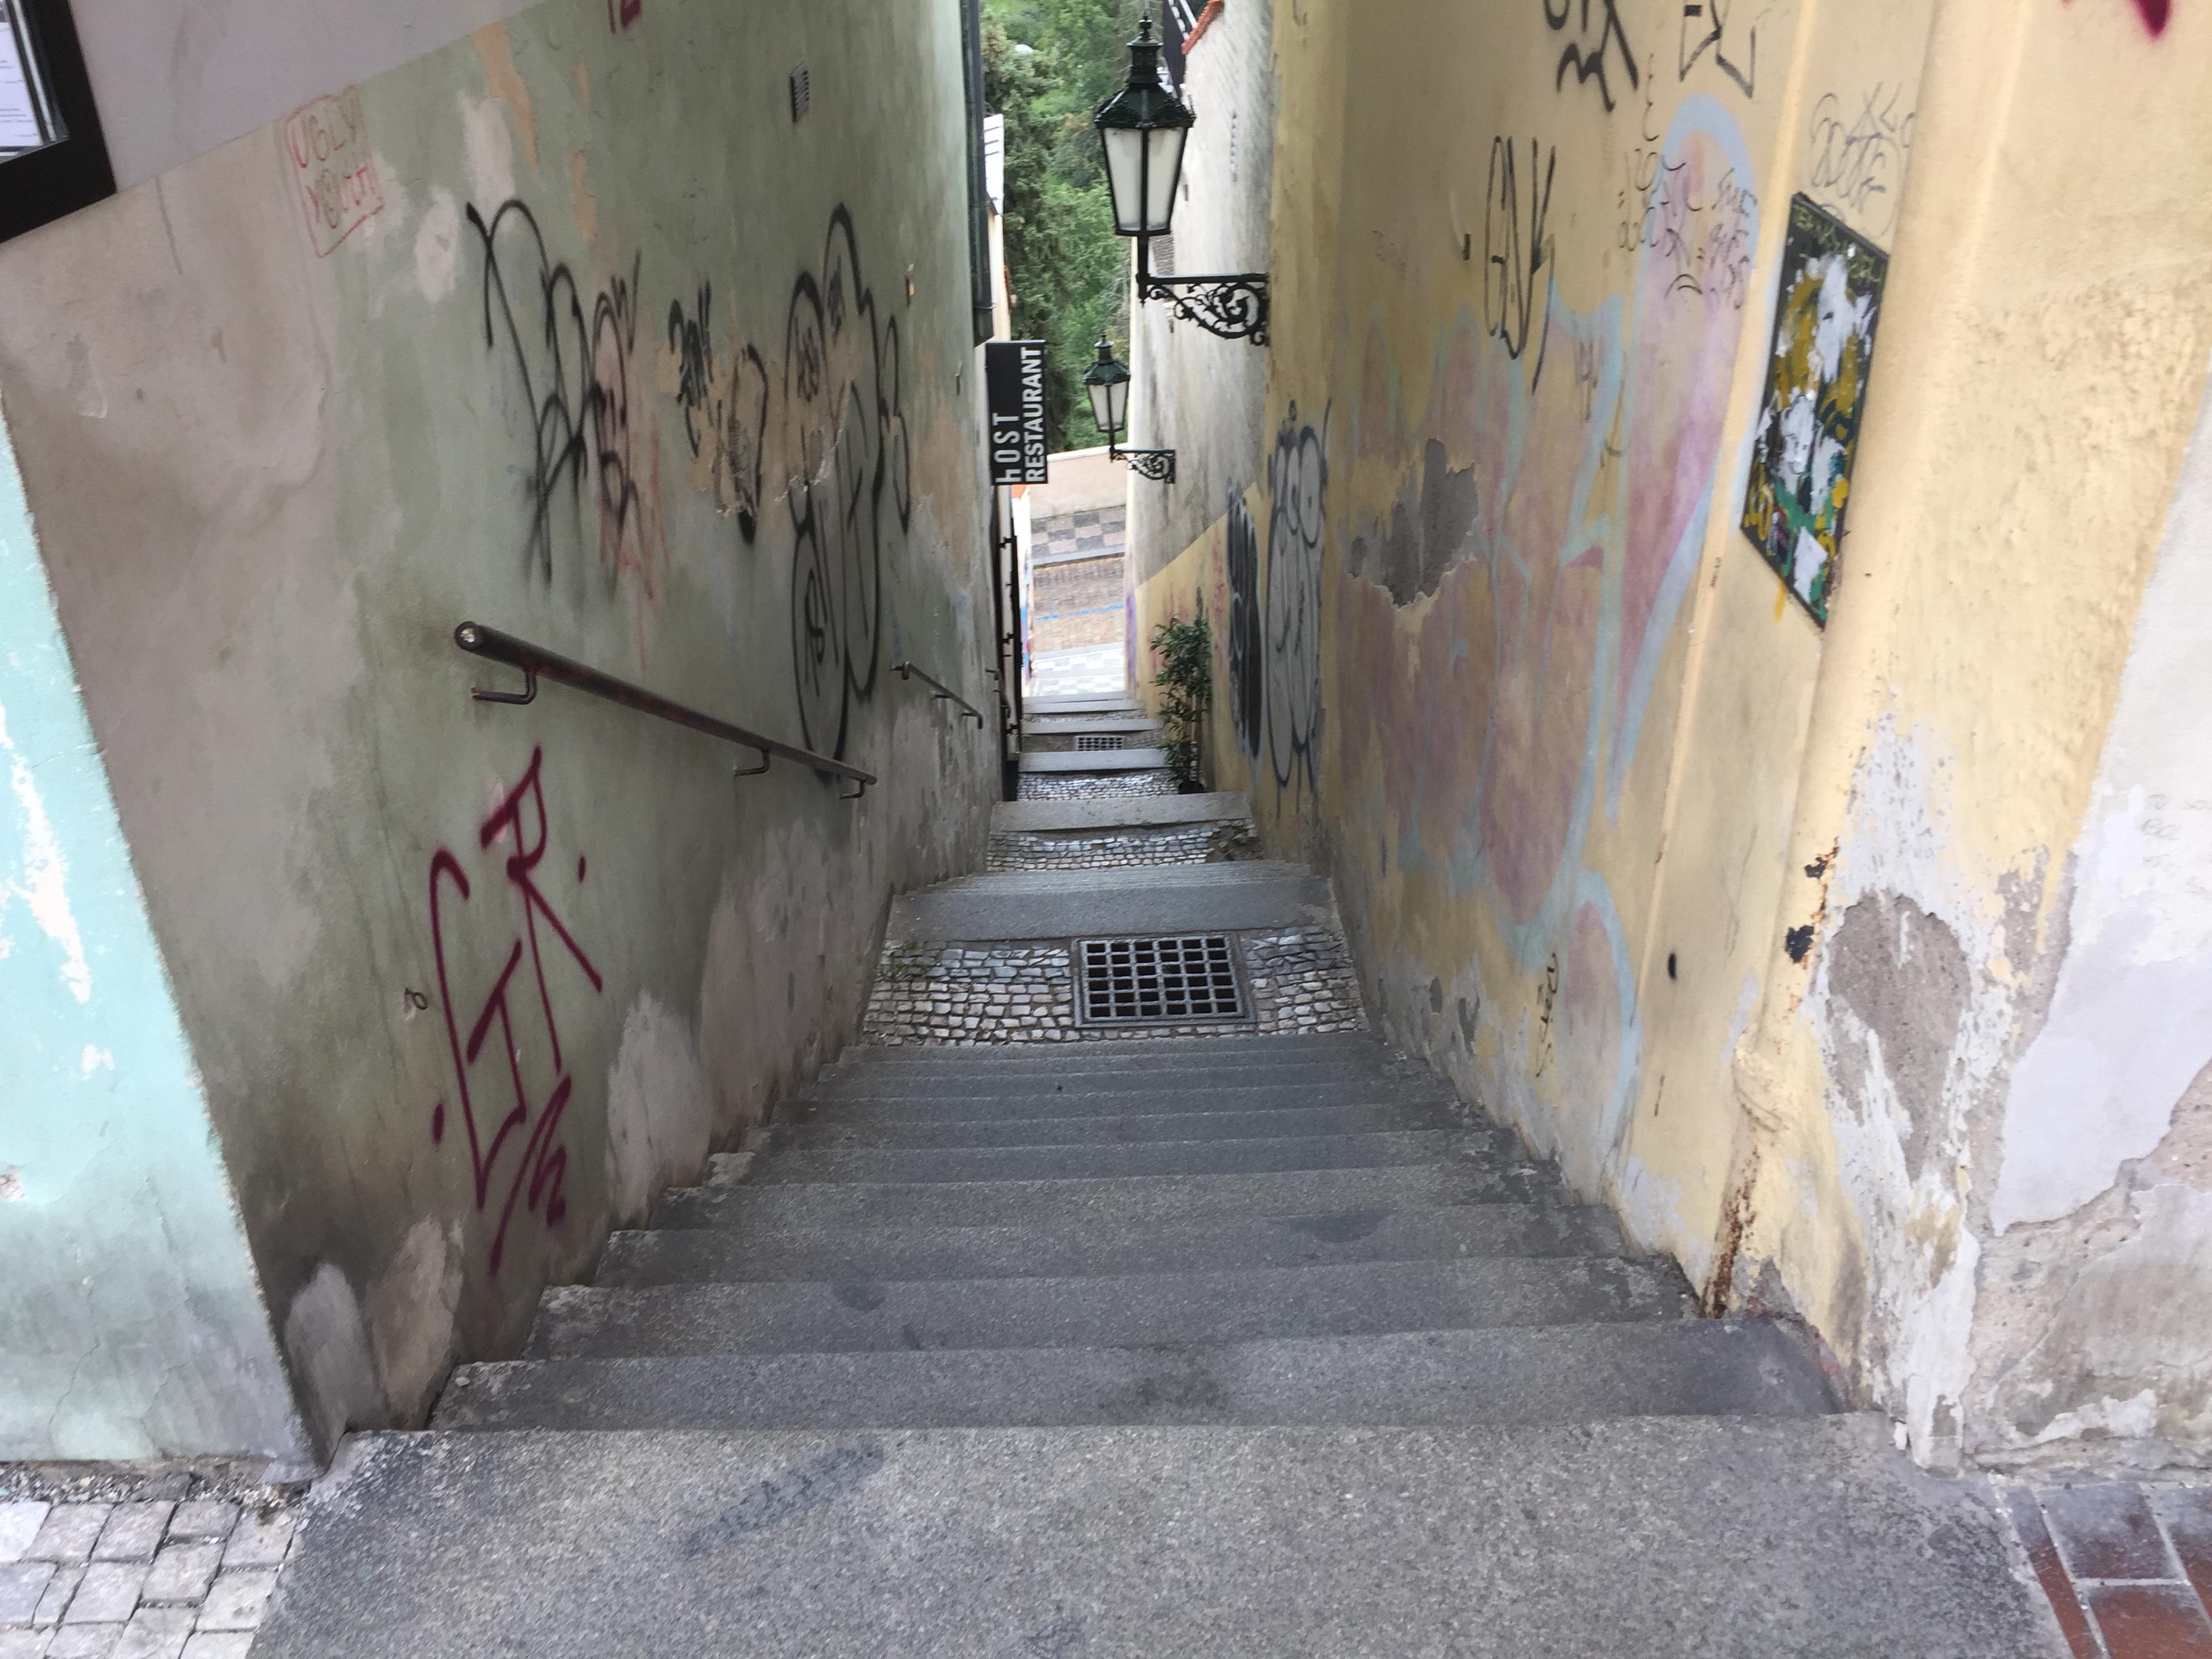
(327, 143)
(621, 13)
(520, 821)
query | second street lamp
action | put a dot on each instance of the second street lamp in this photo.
(1144, 128)
(1108, 382)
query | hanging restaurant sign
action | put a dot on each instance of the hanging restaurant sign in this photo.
(1013, 385)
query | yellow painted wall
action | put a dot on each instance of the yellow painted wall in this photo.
(1747, 921)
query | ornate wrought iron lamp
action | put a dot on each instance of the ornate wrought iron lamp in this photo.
(1143, 128)
(1109, 384)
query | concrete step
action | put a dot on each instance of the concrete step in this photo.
(828, 1128)
(1689, 1539)
(1117, 812)
(749, 1250)
(1101, 761)
(1222, 1051)
(1320, 1083)
(971, 1104)
(1059, 725)
(1109, 703)
(1518, 1375)
(1246, 873)
(1129, 720)
(1134, 1311)
(1230, 1048)
(1091, 735)
(913, 1166)
(1139, 1200)
(1049, 904)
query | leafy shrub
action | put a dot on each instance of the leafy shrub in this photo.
(1184, 677)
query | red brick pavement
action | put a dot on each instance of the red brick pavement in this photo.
(2129, 1571)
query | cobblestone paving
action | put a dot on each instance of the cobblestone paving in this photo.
(1121, 849)
(1305, 975)
(145, 1579)
(1083, 785)
(1301, 980)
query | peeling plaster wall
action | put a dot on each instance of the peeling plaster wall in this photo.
(2096, 1318)
(130, 1322)
(569, 328)
(1755, 924)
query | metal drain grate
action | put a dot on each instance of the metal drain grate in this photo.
(1135, 981)
(1095, 743)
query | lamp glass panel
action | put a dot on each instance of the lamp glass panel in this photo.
(1125, 167)
(1166, 143)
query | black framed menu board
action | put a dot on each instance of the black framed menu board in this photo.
(53, 160)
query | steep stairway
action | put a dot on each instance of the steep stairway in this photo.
(1090, 749)
(1120, 814)
(1016, 1334)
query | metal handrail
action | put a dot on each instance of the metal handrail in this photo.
(534, 659)
(907, 671)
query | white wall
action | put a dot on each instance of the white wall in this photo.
(1203, 396)
(1082, 480)
(175, 78)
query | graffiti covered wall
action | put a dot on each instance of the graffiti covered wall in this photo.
(571, 329)
(1746, 923)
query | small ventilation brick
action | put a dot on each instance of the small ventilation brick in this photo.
(802, 91)
(1178, 980)
(1098, 743)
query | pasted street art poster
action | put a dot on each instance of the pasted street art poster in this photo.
(1808, 426)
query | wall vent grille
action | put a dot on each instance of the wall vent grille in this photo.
(1095, 743)
(1178, 980)
(802, 92)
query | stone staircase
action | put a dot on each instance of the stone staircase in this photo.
(1247, 1338)
(1090, 749)
(1121, 810)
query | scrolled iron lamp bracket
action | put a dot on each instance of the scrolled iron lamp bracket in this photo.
(1157, 464)
(1233, 308)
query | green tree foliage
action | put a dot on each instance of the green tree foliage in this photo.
(1068, 271)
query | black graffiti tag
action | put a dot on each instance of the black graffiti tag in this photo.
(849, 494)
(1704, 29)
(1247, 638)
(1858, 161)
(1517, 250)
(1587, 58)
(573, 368)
